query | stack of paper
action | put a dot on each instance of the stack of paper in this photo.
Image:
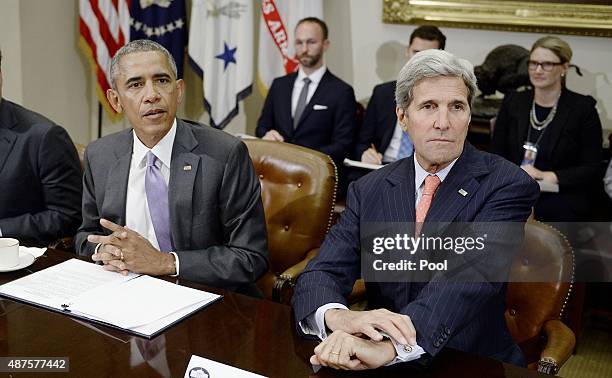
(139, 304)
(358, 164)
(546, 186)
(203, 367)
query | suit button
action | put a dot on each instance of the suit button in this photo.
(512, 312)
(447, 330)
(437, 343)
(407, 348)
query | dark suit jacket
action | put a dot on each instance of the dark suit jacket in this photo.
(40, 177)
(330, 130)
(379, 121)
(574, 139)
(467, 316)
(216, 213)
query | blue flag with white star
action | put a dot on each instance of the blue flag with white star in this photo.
(162, 21)
(221, 51)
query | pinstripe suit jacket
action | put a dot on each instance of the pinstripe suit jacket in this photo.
(465, 316)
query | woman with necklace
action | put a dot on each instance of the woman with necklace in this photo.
(554, 134)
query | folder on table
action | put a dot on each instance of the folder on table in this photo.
(138, 304)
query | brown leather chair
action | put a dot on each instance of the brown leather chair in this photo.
(298, 189)
(534, 309)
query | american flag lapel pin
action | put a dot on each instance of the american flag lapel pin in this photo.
(187, 167)
(463, 192)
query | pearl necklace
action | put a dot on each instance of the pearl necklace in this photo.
(540, 125)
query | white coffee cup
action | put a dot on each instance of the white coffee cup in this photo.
(9, 252)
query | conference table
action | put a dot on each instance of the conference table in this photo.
(251, 334)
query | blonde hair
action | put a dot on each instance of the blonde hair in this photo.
(555, 44)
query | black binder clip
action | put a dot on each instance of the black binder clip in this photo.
(65, 307)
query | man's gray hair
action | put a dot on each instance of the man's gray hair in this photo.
(139, 45)
(429, 64)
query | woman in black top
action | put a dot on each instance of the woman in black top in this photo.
(554, 134)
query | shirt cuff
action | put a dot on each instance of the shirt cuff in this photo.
(177, 265)
(405, 352)
(314, 324)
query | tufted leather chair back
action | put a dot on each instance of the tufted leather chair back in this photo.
(298, 189)
(529, 303)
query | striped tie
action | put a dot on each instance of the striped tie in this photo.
(431, 185)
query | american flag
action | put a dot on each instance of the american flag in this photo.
(104, 27)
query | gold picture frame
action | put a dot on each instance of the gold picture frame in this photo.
(582, 18)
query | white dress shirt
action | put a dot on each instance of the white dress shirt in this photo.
(315, 78)
(419, 178)
(137, 215)
(314, 324)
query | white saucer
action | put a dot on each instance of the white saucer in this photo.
(25, 260)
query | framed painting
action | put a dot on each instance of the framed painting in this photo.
(585, 18)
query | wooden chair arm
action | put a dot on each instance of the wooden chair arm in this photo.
(283, 285)
(560, 342)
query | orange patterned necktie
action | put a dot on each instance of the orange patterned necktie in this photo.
(431, 185)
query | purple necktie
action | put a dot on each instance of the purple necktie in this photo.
(157, 198)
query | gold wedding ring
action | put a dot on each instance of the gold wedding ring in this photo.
(336, 353)
(121, 255)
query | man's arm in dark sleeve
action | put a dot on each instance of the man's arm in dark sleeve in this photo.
(265, 122)
(91, 217)
(60, 177)
(244, 258)
(499, 141)
(329, 276)
(368, 129)
(343, 134)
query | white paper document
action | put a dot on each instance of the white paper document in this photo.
(200, 367)
(358, 164)
(245, 136)
(548, 187)
(141, 304)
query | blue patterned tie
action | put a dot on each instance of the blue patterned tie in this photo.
(406, 147)
(157, 198)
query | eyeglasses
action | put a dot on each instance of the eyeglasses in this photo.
(546, 66)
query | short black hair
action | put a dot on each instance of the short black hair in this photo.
(317, 21)
(430, 33)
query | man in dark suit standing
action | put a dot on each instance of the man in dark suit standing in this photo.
(311, 107)
(445, 180)
(170, 197)
(380, 125)
(40, 176)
